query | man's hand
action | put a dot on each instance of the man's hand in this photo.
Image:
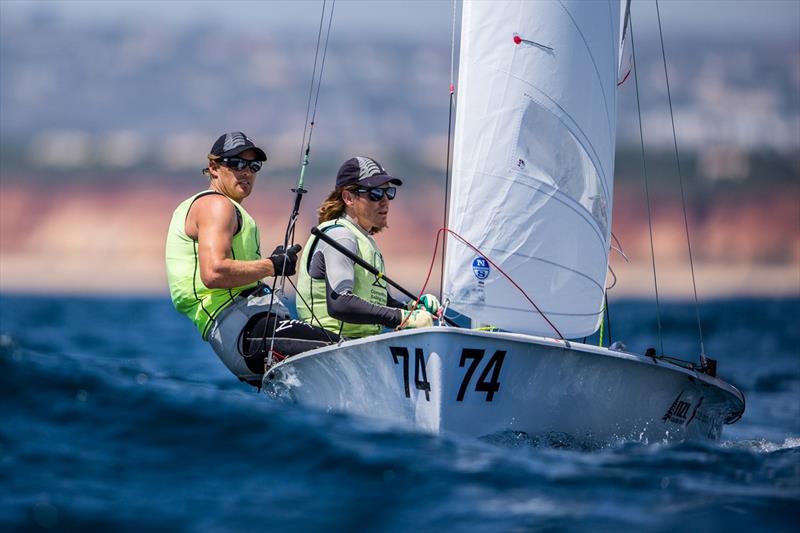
(416, 319)
(429, 302)
(285, 261)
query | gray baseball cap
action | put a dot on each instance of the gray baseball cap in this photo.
(233, 144)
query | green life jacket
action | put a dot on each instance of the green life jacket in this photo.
(311, 292)
(189, 295)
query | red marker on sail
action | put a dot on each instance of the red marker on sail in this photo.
(520, 40)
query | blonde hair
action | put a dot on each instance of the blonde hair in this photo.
(333, 207)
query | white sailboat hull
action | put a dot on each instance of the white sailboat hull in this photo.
(485, 383)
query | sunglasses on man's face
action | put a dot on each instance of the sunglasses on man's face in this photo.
(376, 194)
(237, 163)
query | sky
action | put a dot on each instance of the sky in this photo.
(747, 19)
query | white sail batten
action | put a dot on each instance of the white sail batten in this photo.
(533, 163)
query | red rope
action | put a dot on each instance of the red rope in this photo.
(462, 239)
(625, 78)
(427, 279)
(277, 357)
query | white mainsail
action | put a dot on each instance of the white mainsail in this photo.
(533, 163)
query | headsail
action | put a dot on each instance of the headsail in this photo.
(533, 163)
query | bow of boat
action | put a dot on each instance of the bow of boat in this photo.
(481, 383)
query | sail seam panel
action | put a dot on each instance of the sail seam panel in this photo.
(551, 263)
(582, 139)
(596, 70)
(564, 182)
(556, 194)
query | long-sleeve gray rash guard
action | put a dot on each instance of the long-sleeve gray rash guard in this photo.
(337, 270)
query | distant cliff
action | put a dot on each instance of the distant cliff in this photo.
(92, 238)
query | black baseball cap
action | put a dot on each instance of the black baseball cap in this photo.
(233, 144)
(364, 171)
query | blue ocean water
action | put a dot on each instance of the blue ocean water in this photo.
(116, 415)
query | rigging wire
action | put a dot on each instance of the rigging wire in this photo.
(449, 140)
(621, 252)
(614, 276)
(646, 185)
(310, 307)
(299, 190)
(618, 248)
(319, 85)
(311, 87)
(703, 361)
(608, 320)
(310, 125)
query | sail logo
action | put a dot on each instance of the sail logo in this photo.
(235, 140)
(368, 167)
(678, 412)
(480, 267)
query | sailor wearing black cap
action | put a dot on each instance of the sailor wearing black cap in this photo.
(332, 290)
(214, 267)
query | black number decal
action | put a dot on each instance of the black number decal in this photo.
(683, 409)
(476, 356)
(419, 371)
(488, 381)
(420, 374)
(402, 352)
(494, 364)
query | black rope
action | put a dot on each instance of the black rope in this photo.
(299, 191)
(446, 196)
(683, 195)
(646, 186)
(447, 162)
(313, 316)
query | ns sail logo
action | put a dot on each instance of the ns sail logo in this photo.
(481, 268)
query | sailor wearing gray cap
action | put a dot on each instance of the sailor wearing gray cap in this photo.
(332, 290)
(214, 267)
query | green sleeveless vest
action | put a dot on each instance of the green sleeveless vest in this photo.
(311, 292)
(189, 295)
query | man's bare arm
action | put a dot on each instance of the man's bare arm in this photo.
(212, 222)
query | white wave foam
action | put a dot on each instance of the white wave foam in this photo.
(765, 446)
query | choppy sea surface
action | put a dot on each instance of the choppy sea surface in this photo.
(116, 415)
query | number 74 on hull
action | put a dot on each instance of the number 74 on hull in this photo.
(478, 383)
(487, 381)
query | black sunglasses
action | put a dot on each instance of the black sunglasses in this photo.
(237, 163)
(376, 194)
